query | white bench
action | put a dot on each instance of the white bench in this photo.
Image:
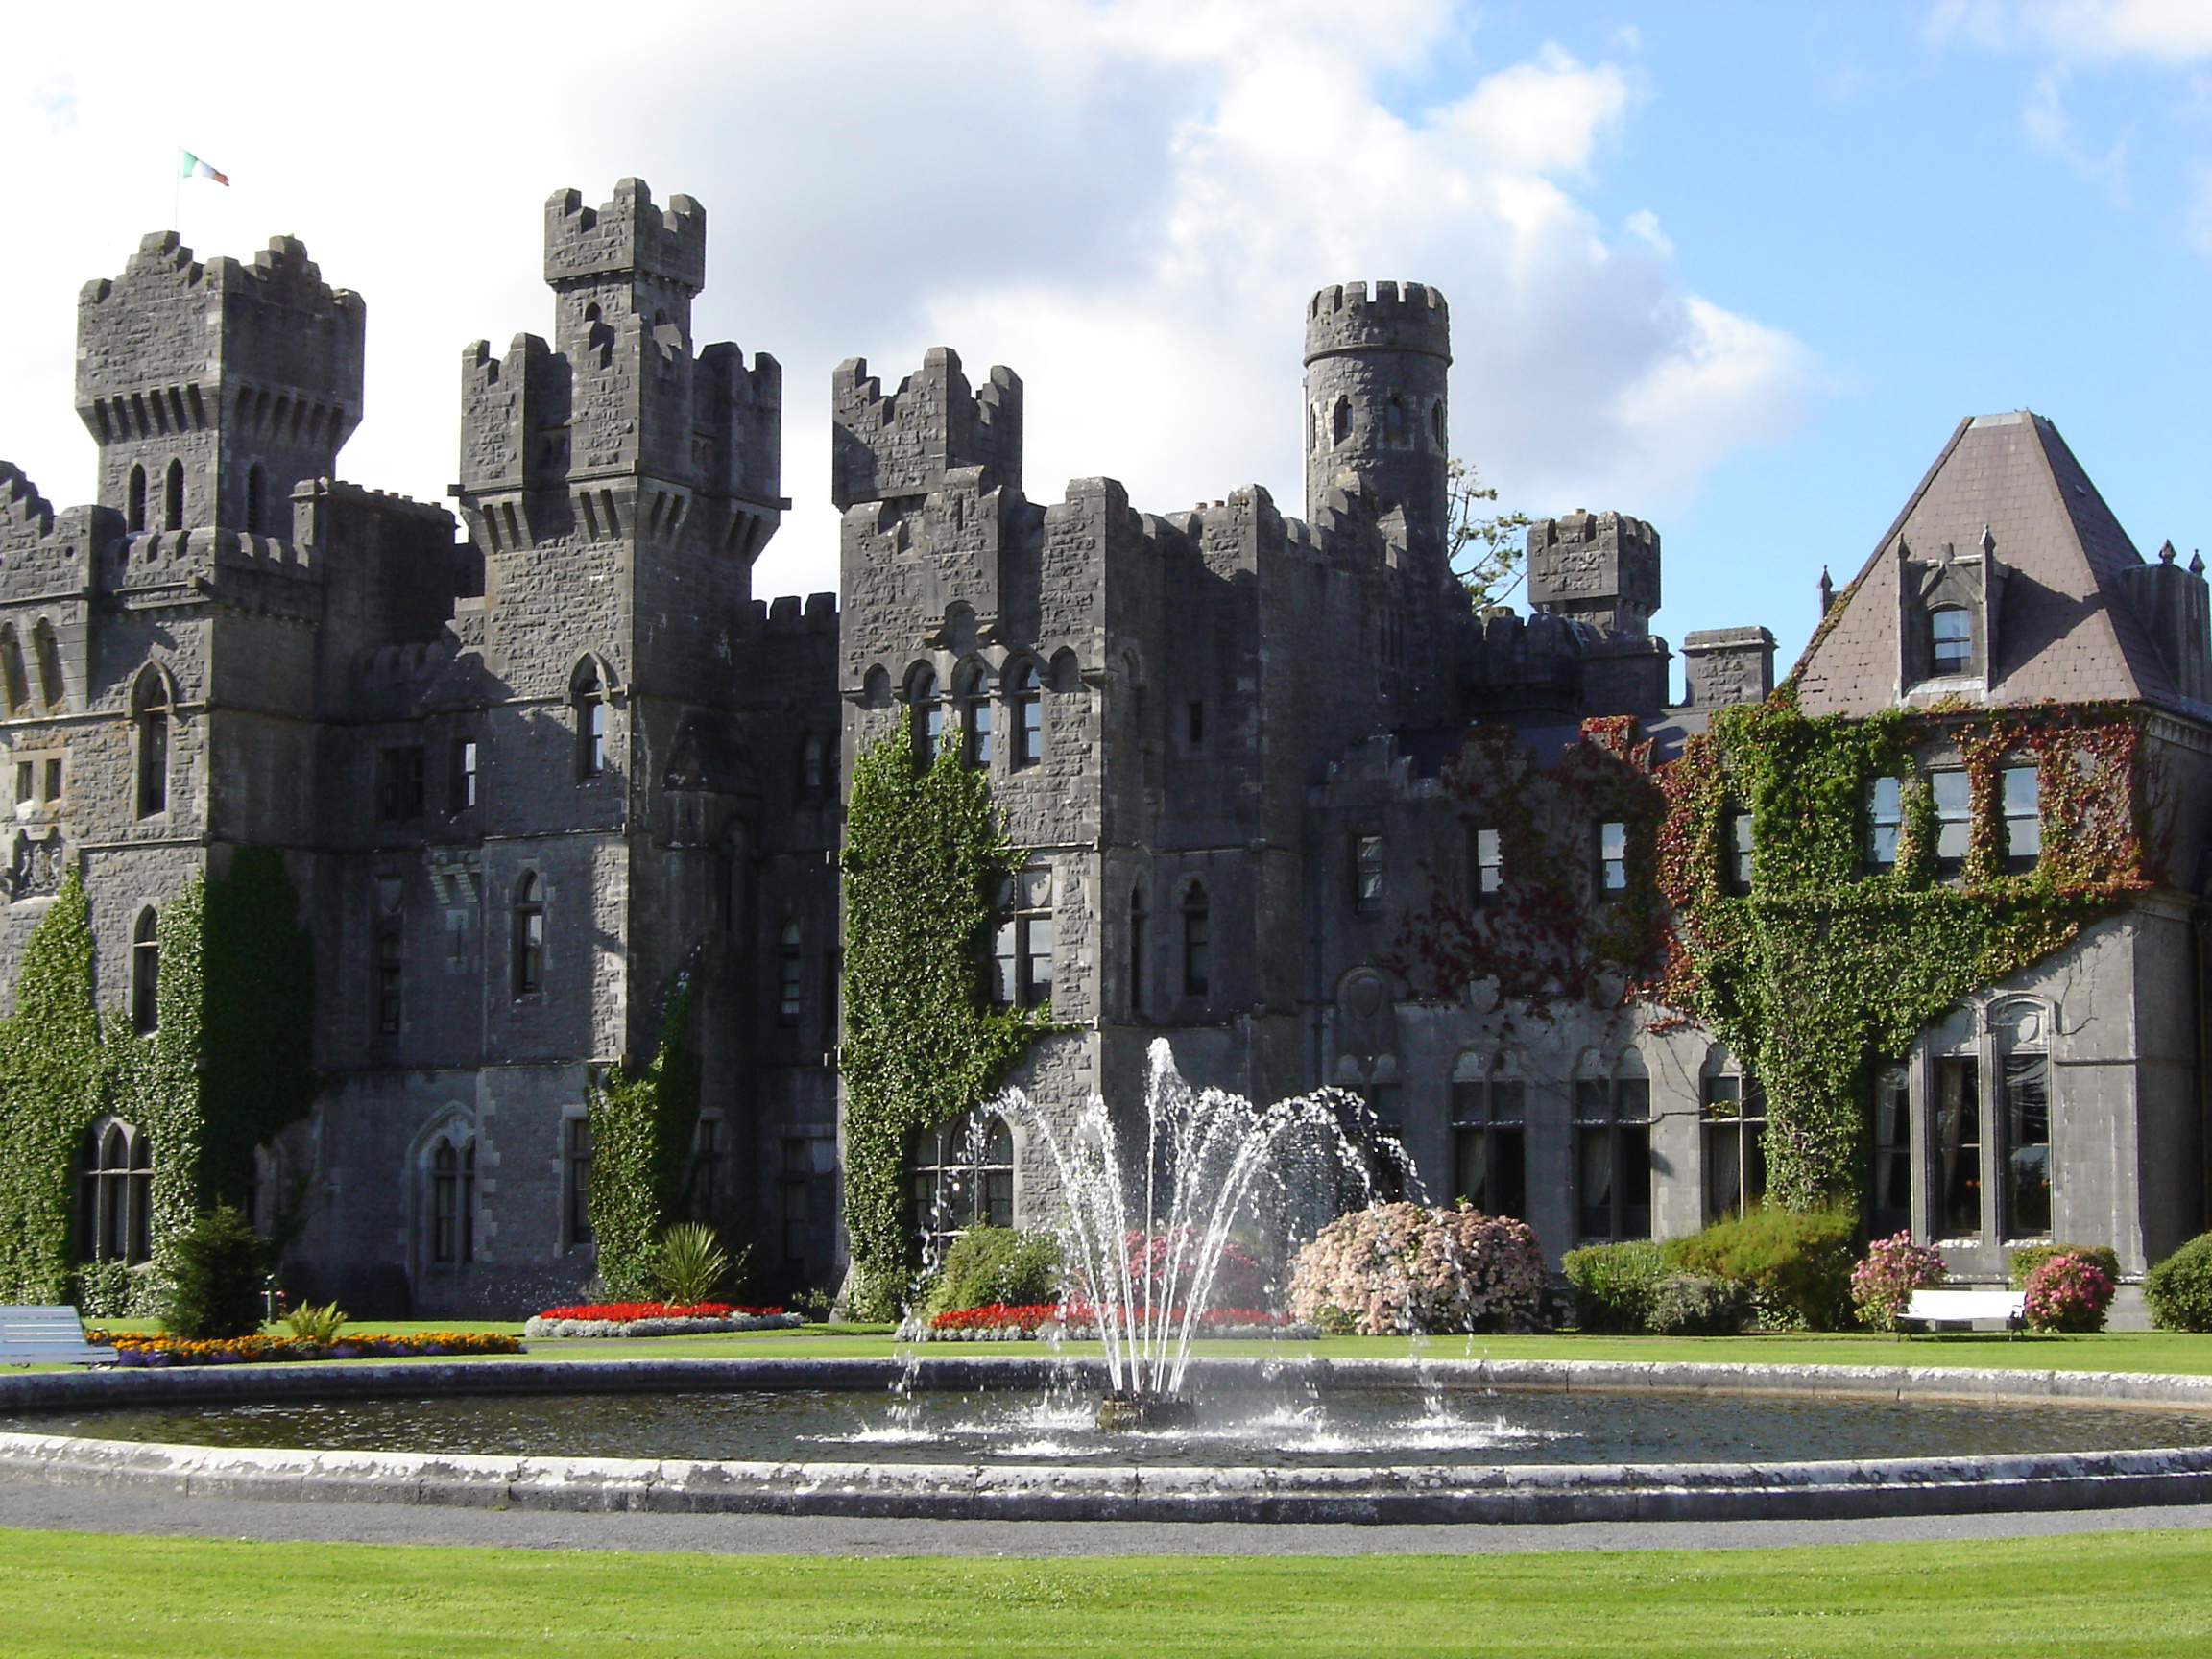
(1965, 1307)
(47, 1336)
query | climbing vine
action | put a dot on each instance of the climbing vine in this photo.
(925, 862)
(226, 1068)
(1539, 940)
(642, 1124)
(1826, 964)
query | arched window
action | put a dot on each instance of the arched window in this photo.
(1489, 1116)
(928, 714)
(173, 496)
(145, 972)
(959, 1175)
(587, 697)
(789, 978)
(812, 776)
(1025, 717)
(1613, 1154)
(391, 976)
(529, 936)
(1341, 421)
(52, 691)
(1198, 943)
(974, 696)
(1394, 423)
(1137, 943)
(135, 500)
(875, 687)
(256, 507)
(1436, 422)
(453, 1201)
(1951, 641)
(115, 1185)
(150, 713)
(12, 677)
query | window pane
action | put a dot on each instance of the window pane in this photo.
(1723, 1169)
(1959, 1145)
(1470, 1172)
(1594, 1180)
(1368, 869)
(1466, 1102)
(2026, 1145)
(1489, 862)
(1892, 1150)
(1509, 1193)
(1632, 1097)
(1506, 1102)
(2023, 816)
(1613, 857)
(1037, 959)
(1593, 1098)
(1952, 637)
(1954, 807)
(1634, 1175)
(1003, 965)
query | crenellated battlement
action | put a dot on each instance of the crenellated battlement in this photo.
(903, 443)
(627, 234)
(25, 515)
(1599, 567)
(1392, 316)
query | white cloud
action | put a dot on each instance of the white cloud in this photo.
(1129, 201)
(2083, 31)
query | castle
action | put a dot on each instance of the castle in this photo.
(535, 762)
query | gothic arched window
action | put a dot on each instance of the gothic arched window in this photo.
(150, 714)
(115, 1184)
(12, 676)
(47, 647)
(173, 496)
(928, 713)
(135, 501)
(1025, 717)
(1341, 421)
(1198, 943)
(453, 1201)
(974, 696)
(587, 697)
(146, 971)
(959, 1175)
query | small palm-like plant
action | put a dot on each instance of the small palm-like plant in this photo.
(693, 1264)
(312, 1324)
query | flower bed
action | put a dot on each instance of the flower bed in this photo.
(136, 1348)
(656, 1320)
(999, 1323)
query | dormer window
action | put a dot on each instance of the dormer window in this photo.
(1951, 641)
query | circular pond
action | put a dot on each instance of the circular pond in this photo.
(1297, 1429)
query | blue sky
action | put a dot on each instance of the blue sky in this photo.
(1737, 268)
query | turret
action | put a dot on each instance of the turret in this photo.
(212, 389)
(890, 448)
(1602, 569)
(1376, 367)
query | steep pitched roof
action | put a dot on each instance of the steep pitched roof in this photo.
(2065, 628)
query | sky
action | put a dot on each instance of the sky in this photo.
(1737, 268)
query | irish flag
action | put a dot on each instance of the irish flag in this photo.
(190, 166)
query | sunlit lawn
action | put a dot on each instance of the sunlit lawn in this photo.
(89, 1597)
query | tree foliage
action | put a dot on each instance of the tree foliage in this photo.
(1483, 547)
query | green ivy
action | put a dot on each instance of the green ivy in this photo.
(227, 1067)
(642, 1123)
(50, 1089)
(926, 861)
(1824, 965)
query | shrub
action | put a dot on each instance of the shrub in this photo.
(312, 1324)
(215, 1277)
(690, 1264)
(1694, 1304)
(1882, 1284)
(2180, 1288)
(1011, 1267)
(2027, 1258)
(2069, 1292)
(1238, 1282)
(1400, 1268)
(104, 1290)
(1795, 1262)
(1613, 1284)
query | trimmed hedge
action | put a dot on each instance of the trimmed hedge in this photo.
(1796, 1262)
(995, 1266)
(1613, 1284)
(2180, 1288)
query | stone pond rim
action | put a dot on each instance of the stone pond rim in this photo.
(1397, 1494)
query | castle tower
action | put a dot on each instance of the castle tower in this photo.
(1376, 365)
(213, 390)
(899, 447)
(617, 430)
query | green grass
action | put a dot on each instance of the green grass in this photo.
(90, 1597)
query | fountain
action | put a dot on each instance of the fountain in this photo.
(1146, 1229)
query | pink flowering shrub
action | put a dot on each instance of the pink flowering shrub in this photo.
(1882, 1284)
(1398, 1268)
(2070, 1294)
(1238, 1280)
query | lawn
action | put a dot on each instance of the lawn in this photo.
(2156, 1351)
(89, 1595)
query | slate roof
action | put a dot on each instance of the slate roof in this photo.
(2065, 630)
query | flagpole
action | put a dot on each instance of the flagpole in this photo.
(177, 193)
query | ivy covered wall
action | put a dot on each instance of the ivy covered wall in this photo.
(643, 1125)
(227, 1067)
(1825, 964)
(926, 861)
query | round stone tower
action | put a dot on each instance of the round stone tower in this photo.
(1375, 365)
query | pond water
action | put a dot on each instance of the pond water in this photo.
(1289, 1429)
